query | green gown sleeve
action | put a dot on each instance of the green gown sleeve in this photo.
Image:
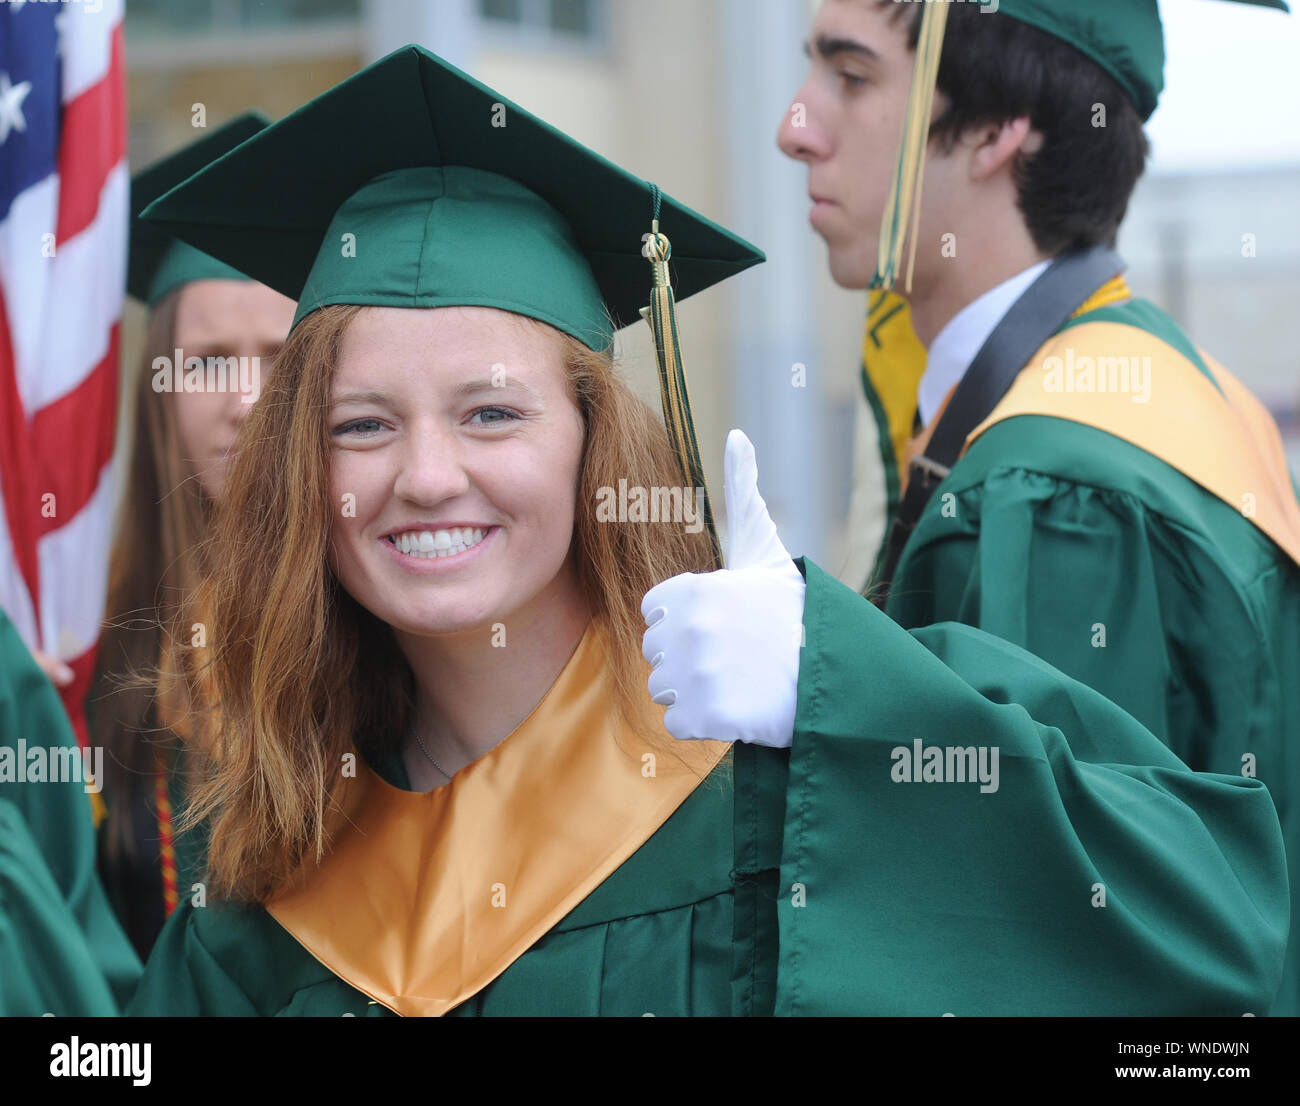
(46, 967)
(1124, 574)
(57, 815)
(1100, 877)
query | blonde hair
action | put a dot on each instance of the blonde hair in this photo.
(299, 674)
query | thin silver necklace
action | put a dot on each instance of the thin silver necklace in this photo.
(424, 749)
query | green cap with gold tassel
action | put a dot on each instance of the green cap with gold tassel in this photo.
(662, 316)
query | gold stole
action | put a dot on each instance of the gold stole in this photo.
(893, 361)
(1224, 440)
(425, 898)
(1113, 291)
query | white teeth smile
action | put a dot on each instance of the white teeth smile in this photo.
(431, 544)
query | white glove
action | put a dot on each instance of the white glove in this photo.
(725, 645)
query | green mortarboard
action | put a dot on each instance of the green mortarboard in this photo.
(160, 262)
(1124, 37)
(411, 184)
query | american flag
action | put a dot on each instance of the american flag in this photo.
(64, 192)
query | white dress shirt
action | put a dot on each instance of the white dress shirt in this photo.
(956, 345)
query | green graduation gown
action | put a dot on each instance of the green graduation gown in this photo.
(1121, 570)
(1098, 876)
(64, 951)
(134, 884)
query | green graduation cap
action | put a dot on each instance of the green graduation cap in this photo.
(1124, 37)
(411, 184)
(159, 262)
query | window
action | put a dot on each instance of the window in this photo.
(507, 11)
(565, 19)
(173, 17)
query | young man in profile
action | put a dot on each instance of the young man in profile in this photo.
(1123, 512)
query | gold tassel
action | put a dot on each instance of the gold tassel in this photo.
(662, 316)
(903, 210)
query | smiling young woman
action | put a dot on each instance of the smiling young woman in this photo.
(421, 702)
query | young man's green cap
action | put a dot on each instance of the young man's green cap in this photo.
(1124, 37)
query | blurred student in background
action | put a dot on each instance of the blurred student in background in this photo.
(185, 424)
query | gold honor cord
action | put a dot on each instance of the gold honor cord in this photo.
(662, 317)
(903, 210)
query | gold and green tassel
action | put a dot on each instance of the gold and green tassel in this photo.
(903, 210)
(662, 316)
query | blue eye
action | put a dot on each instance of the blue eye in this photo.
(506, 416)
(349, 427)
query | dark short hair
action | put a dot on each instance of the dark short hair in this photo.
(1075, 190)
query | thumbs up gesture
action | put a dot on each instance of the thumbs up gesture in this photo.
(724, 646)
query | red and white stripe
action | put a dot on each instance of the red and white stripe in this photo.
(61, 317)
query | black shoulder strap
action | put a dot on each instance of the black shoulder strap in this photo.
(1061, 289)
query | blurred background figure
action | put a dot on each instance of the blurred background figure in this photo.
(181, 444)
